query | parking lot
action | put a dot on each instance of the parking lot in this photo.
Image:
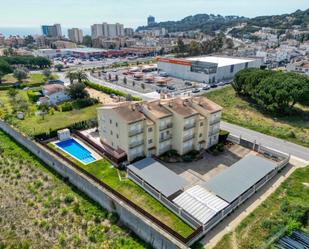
(145, 79)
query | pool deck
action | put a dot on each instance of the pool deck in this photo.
(93, 153)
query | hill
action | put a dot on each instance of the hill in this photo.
(210, 23)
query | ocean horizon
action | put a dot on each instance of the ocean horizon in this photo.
(24, 31)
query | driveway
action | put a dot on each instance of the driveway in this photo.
(269, 141)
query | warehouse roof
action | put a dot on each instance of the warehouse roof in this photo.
(238, 178)
(221, 61)
(158, 176)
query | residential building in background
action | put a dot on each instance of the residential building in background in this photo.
(301, 67)
(129, 32)
(53, 31)
(106, 30)
(207, 69)
(151, 20)
(155, 127)
(75, 35)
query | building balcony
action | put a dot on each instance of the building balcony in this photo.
(213, 132)
(166, 138)
(136, 144)
(189, 126)
(215, 121)
(188, 138)
(163, 150)
(165, 127)
(136, 132)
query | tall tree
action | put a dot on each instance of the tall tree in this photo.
(20, 74)
(71, 76)
(77, 91)
(5, 68)
(81, 75)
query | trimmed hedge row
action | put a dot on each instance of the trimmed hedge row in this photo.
(108, 90)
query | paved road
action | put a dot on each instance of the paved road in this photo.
(269, 141)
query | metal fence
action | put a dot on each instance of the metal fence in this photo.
(187, 217)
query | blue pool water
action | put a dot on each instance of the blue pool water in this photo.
(73, 148)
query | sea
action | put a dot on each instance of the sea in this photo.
(24, 31)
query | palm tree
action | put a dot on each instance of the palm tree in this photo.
(81, 75)
(71, 76)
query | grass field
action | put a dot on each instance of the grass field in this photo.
(33, 79)
(33, 124)
(104, 171)
(294, 128)
(285, 210)
(39, 210)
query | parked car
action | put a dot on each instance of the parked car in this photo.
(196, 90)
(188, 83)
(221, 84)
(172, 88)
(206, 87)
(213, 85)
(163, 74)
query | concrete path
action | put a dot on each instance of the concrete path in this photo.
(268, 141)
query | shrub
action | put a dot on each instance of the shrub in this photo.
(223, 135)
(66, 107)
(82, 103)
(113, 217)
(33, 95)
(69, 198)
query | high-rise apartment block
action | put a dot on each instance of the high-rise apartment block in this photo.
(75, 35)
(106, 30)
(53, 31)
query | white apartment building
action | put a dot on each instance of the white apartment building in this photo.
(107, 30)
(155, 127)
(75, 35)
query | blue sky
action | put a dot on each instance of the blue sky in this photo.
(83, 13)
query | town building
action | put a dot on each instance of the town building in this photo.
(75, 35)
(53, 31)
(301, 67)
(151, 20)
(155, 127)
(206, 69)
(129, 32)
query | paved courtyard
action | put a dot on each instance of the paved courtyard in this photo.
(210, 166)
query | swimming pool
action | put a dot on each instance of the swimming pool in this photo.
(76, 150)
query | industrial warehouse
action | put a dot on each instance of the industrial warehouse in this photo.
(206, 69)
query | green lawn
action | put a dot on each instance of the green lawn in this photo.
(105, 172)
(33, 124)
(285, 210)
(33, 79)
(294, 128)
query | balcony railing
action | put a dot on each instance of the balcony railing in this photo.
(189, 126)
(188, 138)
(136, 132)
(165, 127)
(215, 121)
(213, 132)
(166, 138)
(136, 144)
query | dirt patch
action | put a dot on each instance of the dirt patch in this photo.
(102, 97)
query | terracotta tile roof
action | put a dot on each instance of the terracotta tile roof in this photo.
(180, 106)
(53, 88)
(157, 109)
(209, 105)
